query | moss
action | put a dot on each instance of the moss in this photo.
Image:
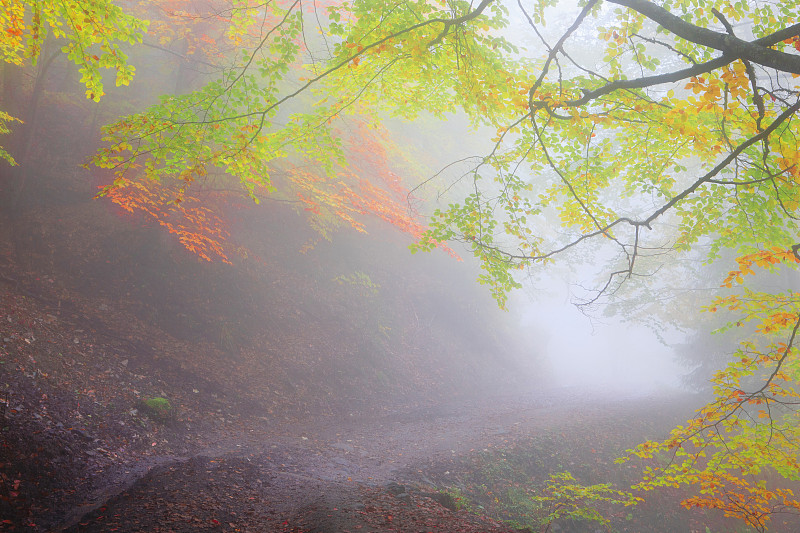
(157, 407)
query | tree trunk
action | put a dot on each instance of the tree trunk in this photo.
(27, 132)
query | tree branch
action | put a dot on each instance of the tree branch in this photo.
(670, 77)
(755, 51)
(725, 162)
(649, 81)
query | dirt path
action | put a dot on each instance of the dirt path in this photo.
(78, 448)
(339, 474)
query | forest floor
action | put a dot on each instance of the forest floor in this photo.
(80, 452)
(250, 446)
(375, 474)
(298, 403)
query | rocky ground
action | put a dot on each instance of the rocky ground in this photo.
(80, 450)
(303, 395)
(267, 437)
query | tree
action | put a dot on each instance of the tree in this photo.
(677, 130)
(90, 33)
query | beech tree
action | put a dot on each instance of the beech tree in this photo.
(647, 128)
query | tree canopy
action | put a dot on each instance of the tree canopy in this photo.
(644, 128)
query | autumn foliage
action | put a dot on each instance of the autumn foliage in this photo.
(734, 447)
(369, 188)
(191, 220)
(636, 131)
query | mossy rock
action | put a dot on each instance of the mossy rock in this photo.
(157, 408)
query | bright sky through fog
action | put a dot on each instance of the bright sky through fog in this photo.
(598, 353)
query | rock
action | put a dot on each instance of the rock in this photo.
(342, 446)
(444, 499)
(395, 488)
(82, 434)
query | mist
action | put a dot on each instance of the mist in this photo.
(602, 353)
(197, 335)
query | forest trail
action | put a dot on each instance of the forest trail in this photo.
(252, 446)
(326, 473)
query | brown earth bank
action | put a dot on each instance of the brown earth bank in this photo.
(357, 472)
(81, 451)
(143, 390)
(246, 447)
(272, 437)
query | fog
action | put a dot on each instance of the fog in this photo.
(319, 267)
(622, 344)
(558, 343)
(601, 354)
(294, 346)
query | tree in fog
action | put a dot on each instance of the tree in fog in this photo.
(647, 128)
(90, 35)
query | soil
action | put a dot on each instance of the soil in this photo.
(296, 404)
(81, 452)
(282, 416)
